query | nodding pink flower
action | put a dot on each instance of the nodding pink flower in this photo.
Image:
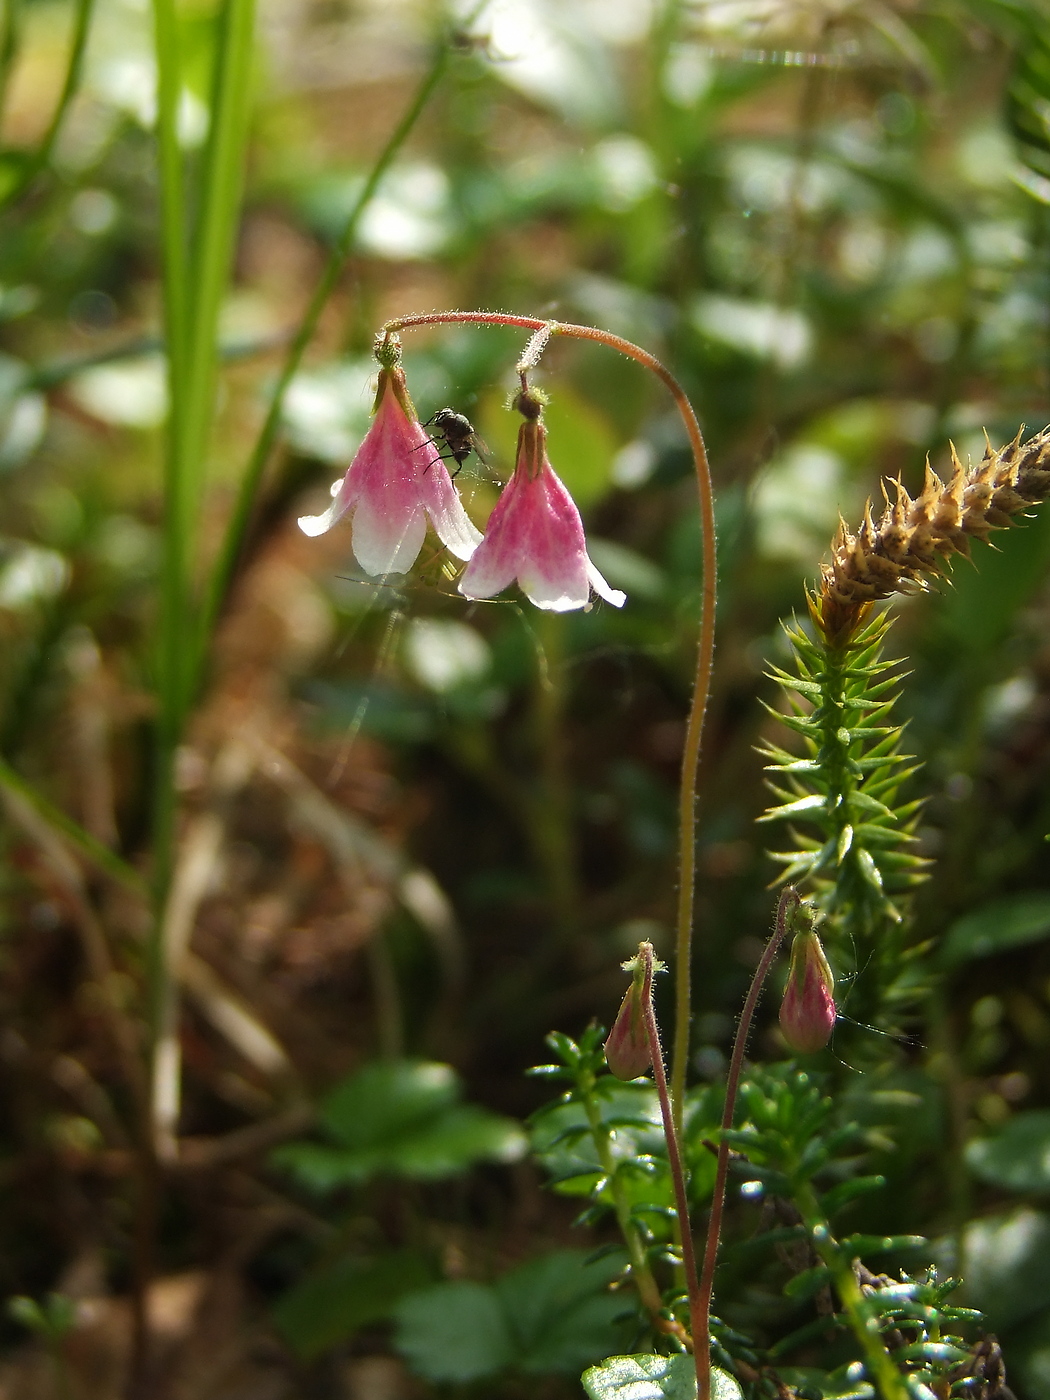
(395, 481)
(535, 534)
(807, 1013)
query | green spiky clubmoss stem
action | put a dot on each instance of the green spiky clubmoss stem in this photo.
(888, 1381)
(859, 862)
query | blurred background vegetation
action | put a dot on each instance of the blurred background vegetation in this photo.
(427, 832)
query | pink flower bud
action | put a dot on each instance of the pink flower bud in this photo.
(807, 1013)
(627, 1049)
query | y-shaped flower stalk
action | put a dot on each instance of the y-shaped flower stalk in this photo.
(544, 330)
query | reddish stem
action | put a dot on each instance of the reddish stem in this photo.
(674, 1155)
(702, 1332)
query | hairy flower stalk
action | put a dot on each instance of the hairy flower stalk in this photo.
(395, 482)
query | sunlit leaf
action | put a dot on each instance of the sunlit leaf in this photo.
(649, 1377)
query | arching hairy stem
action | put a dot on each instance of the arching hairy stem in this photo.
(544, 332)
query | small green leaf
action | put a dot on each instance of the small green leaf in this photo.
(384, 1099)
(560, 1309)
(332, 1304)
(402, 1118)
(805, 1284)
(1018, 1156)
(551, 1315)
(649, 1377)
(994, 927)
(454, 1332)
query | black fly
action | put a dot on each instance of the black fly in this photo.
(457, 432)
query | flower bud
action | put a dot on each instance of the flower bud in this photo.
(627, 1049)
(807, 1013)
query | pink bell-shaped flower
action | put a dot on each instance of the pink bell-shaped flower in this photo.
(807, 1013)
(395, 481)
(535, 533)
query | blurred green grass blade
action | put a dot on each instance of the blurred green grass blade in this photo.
(74, 66)
(211, 252)
(177, 506)
(100, 856)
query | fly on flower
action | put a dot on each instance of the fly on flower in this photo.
(535, 533)
(459, 437)
(395, 482)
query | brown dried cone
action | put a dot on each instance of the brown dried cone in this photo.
(917, 537)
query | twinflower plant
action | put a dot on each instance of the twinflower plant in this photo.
(850, 885)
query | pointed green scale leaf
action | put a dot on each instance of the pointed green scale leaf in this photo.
(807, 1283)
(868, 834)
(882, 1244)
(869, 870)
(649, 1377)
(814, 802)
(799, 723)
(866, 803)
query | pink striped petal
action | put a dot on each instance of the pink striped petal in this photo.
(394, 482)
(535, 535)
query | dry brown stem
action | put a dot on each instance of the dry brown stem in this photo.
(916, 537)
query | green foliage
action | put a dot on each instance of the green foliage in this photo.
(1008, 1266)
(861, 866)
(848, 781)
(654, 1378)
(603, 1140)
(795, 1149)
(335, 1301)
(551, 1315)
(51, 1320)
(1017, 1157)
(399, 1118)
(996, 927)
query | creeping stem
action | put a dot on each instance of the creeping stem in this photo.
(705, 648)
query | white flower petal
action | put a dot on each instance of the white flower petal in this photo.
(611, 595)
(313, 525)
(553, 594)
(386, 544)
